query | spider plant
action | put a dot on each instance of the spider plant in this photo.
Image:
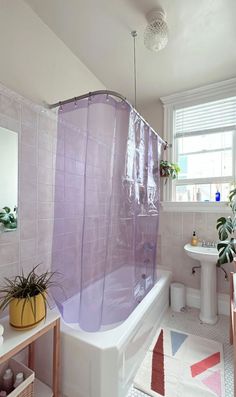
(226, 229)
(25, 289)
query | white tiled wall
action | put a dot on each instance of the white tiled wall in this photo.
(30, 244)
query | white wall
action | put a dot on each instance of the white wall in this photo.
(35, 62)
(154, 114)
(8, 168)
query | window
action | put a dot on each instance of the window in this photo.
(203, 138)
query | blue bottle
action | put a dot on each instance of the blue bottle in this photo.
(217, 196)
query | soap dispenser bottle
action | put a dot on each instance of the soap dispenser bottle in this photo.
(194, 240)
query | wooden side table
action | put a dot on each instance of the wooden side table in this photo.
(15, 341)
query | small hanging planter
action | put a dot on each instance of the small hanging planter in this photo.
(169, 170)
(8, 218)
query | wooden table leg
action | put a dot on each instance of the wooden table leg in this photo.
(56, 359)
(31, 356)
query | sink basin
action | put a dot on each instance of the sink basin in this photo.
(207, 256)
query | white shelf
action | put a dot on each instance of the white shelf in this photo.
(15, 341)
(42, 390)
(12, 338)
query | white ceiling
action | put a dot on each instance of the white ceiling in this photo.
(201, 48)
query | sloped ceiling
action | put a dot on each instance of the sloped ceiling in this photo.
(201, 48)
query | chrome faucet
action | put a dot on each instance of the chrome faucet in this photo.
(212, 244)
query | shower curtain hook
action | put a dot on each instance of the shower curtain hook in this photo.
(166, 145)
(107, 97)
(90, 97)
(75, 101)
(60, 107)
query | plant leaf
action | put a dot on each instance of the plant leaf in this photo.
(227, 251)
(232, 194)
(224, 227)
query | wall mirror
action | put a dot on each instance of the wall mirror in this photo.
(8, 179)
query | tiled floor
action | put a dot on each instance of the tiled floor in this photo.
(189, 322)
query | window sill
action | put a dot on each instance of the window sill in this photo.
(182, 206)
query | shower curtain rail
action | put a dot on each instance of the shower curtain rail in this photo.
(111, 93)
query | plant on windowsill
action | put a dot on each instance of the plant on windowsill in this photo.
(27, 298)
(8, 218)
(226, 229)
(168, 170)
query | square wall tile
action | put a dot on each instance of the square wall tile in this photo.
(27, 249)
(28, 154)
(28, 229)
(28, 135)
(9, 253)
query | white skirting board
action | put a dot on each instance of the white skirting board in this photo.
(193, 300)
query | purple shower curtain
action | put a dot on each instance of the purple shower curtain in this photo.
(106, 211)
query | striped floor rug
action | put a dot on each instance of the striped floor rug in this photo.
(178, 364)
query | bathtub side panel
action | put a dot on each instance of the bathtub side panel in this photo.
(123, 367)
(136, 348)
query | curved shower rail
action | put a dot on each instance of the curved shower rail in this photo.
(111, 93)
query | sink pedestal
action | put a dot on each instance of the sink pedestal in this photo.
(208, 297)
(208, 257)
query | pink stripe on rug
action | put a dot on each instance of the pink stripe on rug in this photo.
(158, 371)
(203, 365)
(213, 382)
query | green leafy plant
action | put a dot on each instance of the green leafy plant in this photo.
(169, 170)
(26, 287)
(226, 229)
(8, 218)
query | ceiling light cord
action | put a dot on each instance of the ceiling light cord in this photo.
(134, 35)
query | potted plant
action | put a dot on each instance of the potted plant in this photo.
(8, 218)
(226, 229)
(27, 298)
(168, 169)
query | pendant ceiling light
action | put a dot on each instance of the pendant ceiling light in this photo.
(156, 32)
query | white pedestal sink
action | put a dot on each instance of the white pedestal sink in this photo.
(208, 257)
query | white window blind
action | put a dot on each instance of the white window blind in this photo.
(211, 116)
(205, 149)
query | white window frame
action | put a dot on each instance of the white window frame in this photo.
(212, 92)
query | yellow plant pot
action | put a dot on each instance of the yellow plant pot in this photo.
(26, 313)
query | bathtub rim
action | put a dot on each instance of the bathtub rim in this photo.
(115, 336)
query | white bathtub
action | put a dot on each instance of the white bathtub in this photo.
(103, 364)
